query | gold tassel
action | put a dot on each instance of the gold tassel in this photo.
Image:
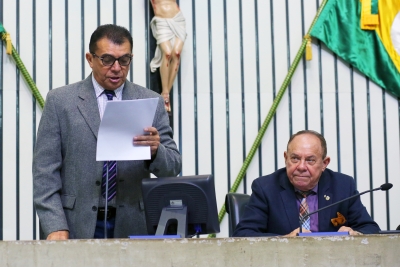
(9, 45)
(308, 48)
(340, 220)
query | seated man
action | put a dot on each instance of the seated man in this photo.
(280, 200)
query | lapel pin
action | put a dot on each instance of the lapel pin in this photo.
(327, 197)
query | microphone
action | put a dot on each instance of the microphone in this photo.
(383, 187)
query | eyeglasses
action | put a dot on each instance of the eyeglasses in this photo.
(108, 60)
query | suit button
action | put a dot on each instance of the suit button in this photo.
(94, 208)
(98, 183)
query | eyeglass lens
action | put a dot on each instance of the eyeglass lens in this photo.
(109, 60)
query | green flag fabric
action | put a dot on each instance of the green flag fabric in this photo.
(2, 28)
(373, 52)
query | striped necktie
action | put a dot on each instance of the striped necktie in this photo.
(304, 210)
(112, 167)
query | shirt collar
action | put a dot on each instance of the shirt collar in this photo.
(99, 89)
(314, 190)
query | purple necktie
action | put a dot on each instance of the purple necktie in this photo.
(112, 167)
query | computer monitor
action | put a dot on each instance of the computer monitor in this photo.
(184, 206)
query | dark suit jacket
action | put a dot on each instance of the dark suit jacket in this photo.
(272, 208)
(66, 175)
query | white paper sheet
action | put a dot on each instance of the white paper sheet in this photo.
(123, 120)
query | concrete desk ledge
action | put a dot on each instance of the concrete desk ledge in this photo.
(366, 250)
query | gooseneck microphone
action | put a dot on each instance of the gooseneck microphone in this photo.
(383, 187)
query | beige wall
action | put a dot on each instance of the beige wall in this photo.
(322, 251)
(244, 71)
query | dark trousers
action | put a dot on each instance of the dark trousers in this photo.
(99, 232)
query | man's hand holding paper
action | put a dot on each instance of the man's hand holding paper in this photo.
(122, 123)
(151, 139)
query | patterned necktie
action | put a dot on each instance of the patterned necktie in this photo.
(304, 210)
(112, 167)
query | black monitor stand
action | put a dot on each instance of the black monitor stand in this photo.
(173, 214)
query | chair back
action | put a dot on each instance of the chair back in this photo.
(234, 205)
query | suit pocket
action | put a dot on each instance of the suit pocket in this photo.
(68, 201)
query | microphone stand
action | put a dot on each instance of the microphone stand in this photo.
(333, 204)
(106, 205)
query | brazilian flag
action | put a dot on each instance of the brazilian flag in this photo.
(366, 34)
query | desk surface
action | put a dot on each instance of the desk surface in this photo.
(367, 250)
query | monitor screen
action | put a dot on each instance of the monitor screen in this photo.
(186, 201)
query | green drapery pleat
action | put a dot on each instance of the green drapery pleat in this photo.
(339, 28)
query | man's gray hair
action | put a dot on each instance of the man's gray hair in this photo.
(320, 137)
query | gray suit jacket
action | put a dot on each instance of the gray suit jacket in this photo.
(66, 175)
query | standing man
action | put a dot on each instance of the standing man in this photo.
(169, 29)
(67, 179)
(280, 200)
